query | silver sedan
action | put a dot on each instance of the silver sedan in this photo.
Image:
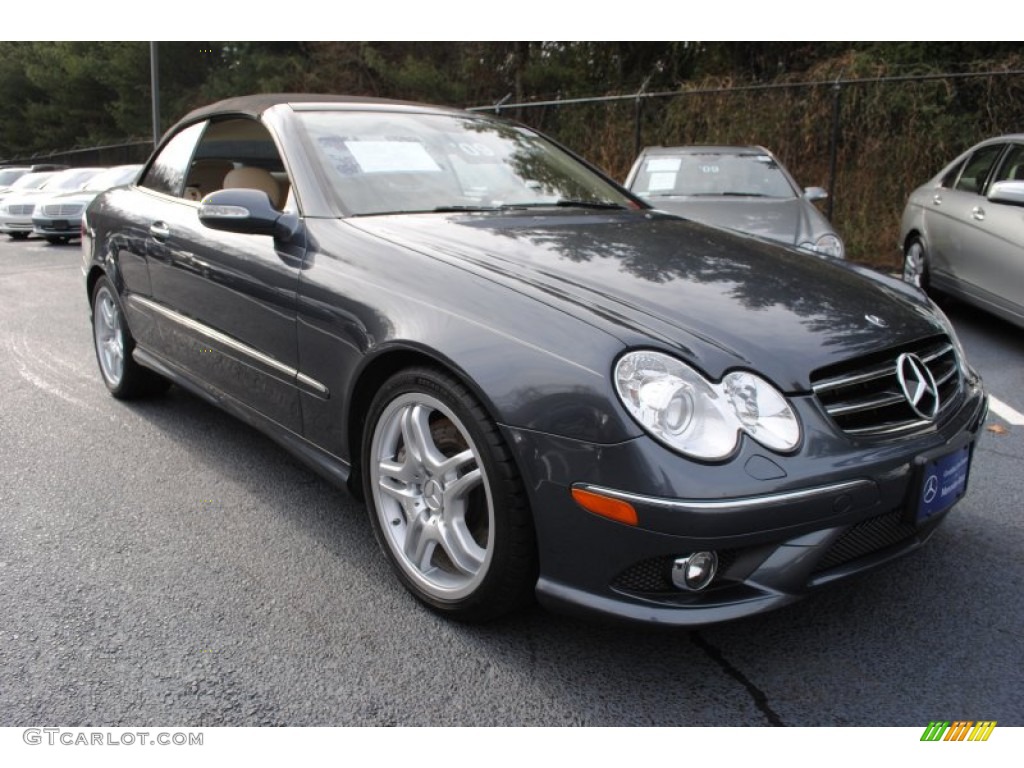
(963, 231)
(745, 189)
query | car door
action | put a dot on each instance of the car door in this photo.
(226, 302)
(995, 247)
(950, 218)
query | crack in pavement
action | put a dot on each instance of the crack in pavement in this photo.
(759, 696)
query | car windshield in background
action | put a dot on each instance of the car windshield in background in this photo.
(712, 174)
(112, 177)
(32, 181)
(10, 175)
(379, 163)
(65, 181)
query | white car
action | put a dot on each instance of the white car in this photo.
(17, 207)
(59, 218)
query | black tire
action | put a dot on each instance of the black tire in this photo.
(57, 239)
(114, 344)
(455, 523)
(915, 264)
(18, 235)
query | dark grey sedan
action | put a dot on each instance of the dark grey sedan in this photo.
(963, 231)
(539, 385)
(745, 189)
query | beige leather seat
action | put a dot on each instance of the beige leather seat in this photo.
(249, 177)
(206, 176)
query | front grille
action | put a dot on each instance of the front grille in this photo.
(62, 210)
(21, 210)
(866, 537)
(864, 396)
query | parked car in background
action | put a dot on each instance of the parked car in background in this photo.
(18, 205)
(539, 384)
(742, 188)
(11, 174)
(59, 218)
(963, 231)
(26, 183)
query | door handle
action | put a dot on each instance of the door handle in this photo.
(936, 199)
(159, 230)
(978, 213)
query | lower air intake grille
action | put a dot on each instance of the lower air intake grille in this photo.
(866, 537)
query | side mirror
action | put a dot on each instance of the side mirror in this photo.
(813, 194)
(246, 212)
(1009, 192)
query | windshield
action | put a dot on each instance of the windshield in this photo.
(712, 174)
(32, 180)
(391, 162)
(9, 175)
(70, 179)
(112, 177)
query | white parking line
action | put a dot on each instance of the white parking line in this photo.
(1005, 412)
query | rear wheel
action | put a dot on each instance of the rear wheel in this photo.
(57, 239)
(113, 342)
(18, 235)
(445, 499)
(915, 264)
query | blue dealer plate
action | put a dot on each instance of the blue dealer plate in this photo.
(943, 482)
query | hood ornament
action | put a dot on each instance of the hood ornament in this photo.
(876, 321)
(918, 386)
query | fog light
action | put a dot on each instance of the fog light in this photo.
(694, 572)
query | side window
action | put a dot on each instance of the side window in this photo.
(1012, 167)
(950, 178)
(977, 169)
(238, 153)
(167, 173)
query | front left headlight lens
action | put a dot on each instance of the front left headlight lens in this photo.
(829, 244)
(701, 418)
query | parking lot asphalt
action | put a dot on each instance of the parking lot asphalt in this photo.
(160, 562)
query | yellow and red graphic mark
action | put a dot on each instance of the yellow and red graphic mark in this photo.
(959, 730)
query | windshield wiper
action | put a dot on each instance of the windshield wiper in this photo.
(598, 204)
(464, 208)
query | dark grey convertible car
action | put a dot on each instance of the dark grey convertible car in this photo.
(539, 385)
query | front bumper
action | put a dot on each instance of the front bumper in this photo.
(59, 227)
(781, 526)
(9, 224)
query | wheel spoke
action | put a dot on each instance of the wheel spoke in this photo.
(419, 542)
(109, 314)
(458, 543)
(419, 443)
(450, 467)
(455, 492)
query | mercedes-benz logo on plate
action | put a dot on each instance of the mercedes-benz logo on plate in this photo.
(918, 385)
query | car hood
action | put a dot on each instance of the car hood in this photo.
(70, 198)
(719, 299)
(792, 221)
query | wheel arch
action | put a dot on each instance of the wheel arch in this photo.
(369, 379)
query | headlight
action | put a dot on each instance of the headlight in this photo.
(700, 418)
(829, 244)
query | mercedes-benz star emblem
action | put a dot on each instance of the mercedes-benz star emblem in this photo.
(931, 488)
(877, 321)
(918, 386)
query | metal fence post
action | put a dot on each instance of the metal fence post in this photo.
(837, 95)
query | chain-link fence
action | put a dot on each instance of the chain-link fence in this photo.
(108, 155)
(868, 141)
